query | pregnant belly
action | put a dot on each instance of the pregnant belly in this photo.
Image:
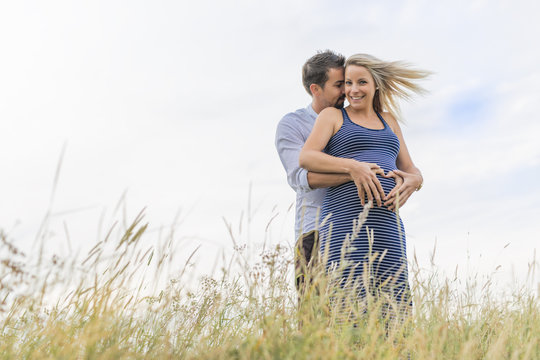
(387, 163)
(348, 192)
(387, 184)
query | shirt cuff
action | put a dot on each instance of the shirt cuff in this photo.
(303, 180)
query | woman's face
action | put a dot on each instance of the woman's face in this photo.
(359, 87)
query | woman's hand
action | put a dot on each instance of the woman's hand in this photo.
(397, 179)
(400, 194)
(364, 176)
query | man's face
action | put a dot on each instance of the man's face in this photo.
(332, 94)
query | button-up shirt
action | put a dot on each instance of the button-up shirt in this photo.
(292, 132)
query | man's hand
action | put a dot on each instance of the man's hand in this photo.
(401, 192)
(364, 176)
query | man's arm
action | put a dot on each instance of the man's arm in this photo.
(288, 143)
(320, 180)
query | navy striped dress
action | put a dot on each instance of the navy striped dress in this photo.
(342, 207)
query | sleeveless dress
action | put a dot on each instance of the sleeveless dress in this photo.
(339, 241)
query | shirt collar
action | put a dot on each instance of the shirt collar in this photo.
(311, 112)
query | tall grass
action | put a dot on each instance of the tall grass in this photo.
(119, 302)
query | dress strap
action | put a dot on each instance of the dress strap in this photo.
(345, 115)
(383, 121)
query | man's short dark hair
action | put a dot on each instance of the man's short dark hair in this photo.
(315, 70)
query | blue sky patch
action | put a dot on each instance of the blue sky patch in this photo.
(468, 110)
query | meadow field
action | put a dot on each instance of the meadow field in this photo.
(119, 301)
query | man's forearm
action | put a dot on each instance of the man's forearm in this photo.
(323, 180)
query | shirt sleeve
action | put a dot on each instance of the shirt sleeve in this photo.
(289, 143)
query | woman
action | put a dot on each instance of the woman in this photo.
(366, 142)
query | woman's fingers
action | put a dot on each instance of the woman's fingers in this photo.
(398, 180)
(392, 197)
(368, 190)
(406, 184)
(380, 195)
(394, 203)
(400, 172)
(365, 178)
(374, 183)
(399, 200)
(389, 174)
(361, 193)
(375, 190)
(374, 166)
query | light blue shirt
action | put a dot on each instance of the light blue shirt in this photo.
(292, 132)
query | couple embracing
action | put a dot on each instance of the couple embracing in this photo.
(343, 160)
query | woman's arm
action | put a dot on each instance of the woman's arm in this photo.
(412, 177)
(322, 180)
(289, 142)
(314, 159)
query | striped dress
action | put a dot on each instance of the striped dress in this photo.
(339, 238)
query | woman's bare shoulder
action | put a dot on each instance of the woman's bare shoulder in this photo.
(391, 121)
(330, 115)
(330, 112)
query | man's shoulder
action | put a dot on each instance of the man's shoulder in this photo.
(295, 115)
(295, 118)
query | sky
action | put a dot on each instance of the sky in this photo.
(110, 108)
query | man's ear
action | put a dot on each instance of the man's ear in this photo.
(315, 89)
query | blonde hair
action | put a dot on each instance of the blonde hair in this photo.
(393, 80)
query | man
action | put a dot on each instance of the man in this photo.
(323, 79)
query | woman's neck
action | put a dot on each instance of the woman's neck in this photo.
(365, 113)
